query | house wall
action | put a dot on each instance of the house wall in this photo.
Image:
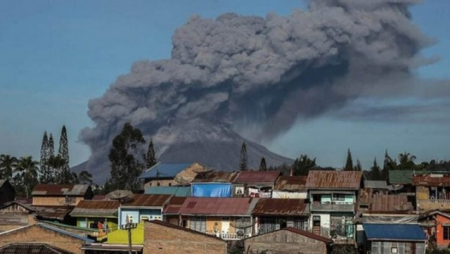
(86, 222)
(137, 214)
(284, 241)
(14, 216)
(286, 194)
(440, 231)
(36, 234)
(56, 201)
(378, 247)
(426, 203)
(162, 182)
(162, 239)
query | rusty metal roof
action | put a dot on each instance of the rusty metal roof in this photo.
(60, 190)
(281, 207)
(291, 183)
(174, 205)
(52, 212)
(433, 180)
(268, 177)
(390, 203)
(322, 179)
(100, 208)
(214, 176)
(41, 248)
(147, 200)
(217, 206)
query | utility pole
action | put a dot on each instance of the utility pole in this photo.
(129, 226)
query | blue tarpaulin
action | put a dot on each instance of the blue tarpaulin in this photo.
(220, 190)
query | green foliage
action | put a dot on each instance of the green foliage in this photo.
(349, 162)
(243, 166)
(375, 172)
(263, 164)
(46, 173)
(358, 166)
(65, 176)
(150, 157)
(126, 158)
(8, 165)
(27, 176)
(85, 177)
(302, 165)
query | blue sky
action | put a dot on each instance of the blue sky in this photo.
(56, 55)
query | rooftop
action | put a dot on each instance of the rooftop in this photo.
(403, 232)
(218, 206)
(434, 180)
(60, 190)
(178, 191)
(250, 177)
(375, 184)
(96, 207)
(291, 183)
(164, 170)
(147, 200)
(323, 179)
(280, 206)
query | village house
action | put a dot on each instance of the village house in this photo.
(287, 240)
(56, 201)
(34, 237)
(16, 214)
(141, 207)
(290, 187)
(333, 201)
(432, 191)
(171, 174)
(271, 214)
(226, 218)
(213, 184)
(171, 211)
(394, 238)
(166, 238)
(255, 183)
(400, 181)
(370, 189)
(437, 227)
(7, 192)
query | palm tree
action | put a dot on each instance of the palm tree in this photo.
(57, 163)
(7, 166)
(29, 171)
(406, 161)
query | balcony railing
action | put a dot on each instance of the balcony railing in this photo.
(229, 236)
(331, 206)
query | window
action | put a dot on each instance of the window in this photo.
(198, 224)
(338, 197)
(446, 232)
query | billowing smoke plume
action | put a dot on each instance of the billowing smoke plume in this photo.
(239, 71)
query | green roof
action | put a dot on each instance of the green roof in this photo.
(403, 176)
(177, 191)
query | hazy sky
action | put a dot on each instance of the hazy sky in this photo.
(56, 55)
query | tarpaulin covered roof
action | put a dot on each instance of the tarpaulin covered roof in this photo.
(397, 232)
(60, 190)
(280, 206)
(269, 177)
(218, 206)
(97, 208)
(165, 170)
(323, 179)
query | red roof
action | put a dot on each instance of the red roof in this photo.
(390, 203)
(174, 205)
(292, 183)
(216, 206)
(257, 177)
(147, 200)
(280, 206)
(328, 179)
(434, 180)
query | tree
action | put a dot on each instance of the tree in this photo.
(243, 158)
(406, 161)
(349, 161)
(46, 174)
(126, 157)
(263, 164)
(85, 177)
(358, 166)
(56, 163)
(388, 164)
(150, 157)
(7, 166)
(375, 171)
(28, 170)
(302, 165)
(63, 153)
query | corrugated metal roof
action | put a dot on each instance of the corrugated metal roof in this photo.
(52, 212)
(269, 177)
(216, 206)
(41, 248)
(390, 203)
(433, 180)
(309, 234)
(322, 179)
(60, 190)
(214, 176)
(403, 232)
(291, 183)
(375, 184)
(100, 208)
(178, 191)
(65, 232)
(280, 206)
(164, 170)
(174, 205)
(403, 176)
(147, 200)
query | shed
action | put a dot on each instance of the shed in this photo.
(394, 238)
(7, 192)
(287, 240)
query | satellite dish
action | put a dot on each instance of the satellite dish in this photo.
(120, 195)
